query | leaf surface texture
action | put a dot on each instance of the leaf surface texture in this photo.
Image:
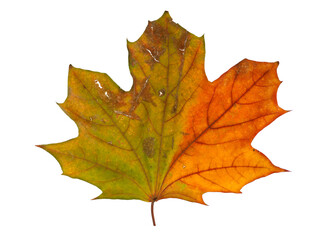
(174, 134)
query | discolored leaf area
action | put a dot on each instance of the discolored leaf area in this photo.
(174, 134)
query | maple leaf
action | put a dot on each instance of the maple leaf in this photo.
(174, 134)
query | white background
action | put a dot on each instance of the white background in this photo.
(39, 39)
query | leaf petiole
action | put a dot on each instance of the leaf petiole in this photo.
(152, 212)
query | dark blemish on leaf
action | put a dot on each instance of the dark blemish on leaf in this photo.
(165, 155)
(148, 146)
(132, 61)
(174, 109)
(156, 32)
(172, 142)
(153, 53)
(183, 42)
(184, 133)
(141, 94)
(161, 92)
(123, 113)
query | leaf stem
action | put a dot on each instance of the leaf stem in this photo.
(152, 211)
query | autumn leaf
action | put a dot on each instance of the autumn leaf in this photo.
(174, 134)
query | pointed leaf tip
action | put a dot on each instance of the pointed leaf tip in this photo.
(166, 15)
(284, 170)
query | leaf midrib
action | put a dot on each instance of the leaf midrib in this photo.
(164, 121)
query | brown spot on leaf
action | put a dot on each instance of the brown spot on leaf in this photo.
(183, 42)
(172, 142)
(141, 92)
(155, 54)
(132, 61)
(161, 92)
(156, 33)
(174, 109)
(147, 95)
(148, 146)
